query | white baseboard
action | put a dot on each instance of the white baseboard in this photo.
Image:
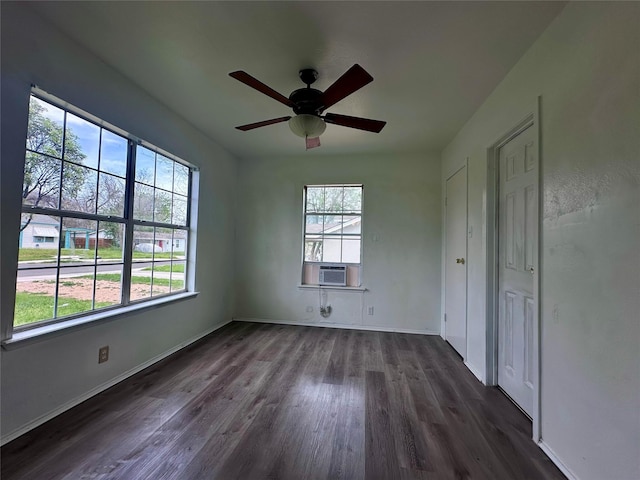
(338, 325)
(100, 388)
(554, 458)
(475, 372)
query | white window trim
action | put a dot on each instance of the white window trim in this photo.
(42, 332)
(332, 287)
(359, 264)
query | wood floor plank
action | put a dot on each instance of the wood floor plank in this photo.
(410, 444)
(260, 401)
(355, 361)
(422, 395)
(372, 352)
(388, 348)
(349, 441)
(337, 362)
(381, 461)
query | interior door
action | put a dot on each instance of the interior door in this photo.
(518, 234)
(455, 261)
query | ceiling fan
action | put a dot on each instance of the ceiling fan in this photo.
(309, 104)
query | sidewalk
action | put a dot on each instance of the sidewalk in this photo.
(141, 272)
(72, 258)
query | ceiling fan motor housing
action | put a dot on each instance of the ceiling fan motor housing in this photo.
(307, 100)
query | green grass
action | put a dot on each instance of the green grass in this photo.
(157, 255)
(177, 268)
(36, 254)
(160, 282)
(35, 307)
(114, 253)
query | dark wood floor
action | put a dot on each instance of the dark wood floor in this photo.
(257, 401)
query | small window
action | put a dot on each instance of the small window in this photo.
(332, 230)
(43, 239)
(105, 220)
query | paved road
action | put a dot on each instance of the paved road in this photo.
(34, 270)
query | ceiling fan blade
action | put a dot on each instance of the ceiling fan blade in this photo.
(251, 126)
(353, 79)
(355, 122)
(247, 79)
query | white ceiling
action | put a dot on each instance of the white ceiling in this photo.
(433, 63)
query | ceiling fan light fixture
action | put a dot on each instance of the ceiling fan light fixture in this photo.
(306, 125)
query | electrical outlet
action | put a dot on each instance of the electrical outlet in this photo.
(309, 309)
(103, 354)
(370, 310)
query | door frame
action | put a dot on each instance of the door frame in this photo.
(465, 165)
(532, 119)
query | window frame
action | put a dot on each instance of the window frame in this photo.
(127, 220)
(341, 236)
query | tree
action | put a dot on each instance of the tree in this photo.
(328, 206)
(111, 195)
(334, 199)
(42, 169)
(113, 233)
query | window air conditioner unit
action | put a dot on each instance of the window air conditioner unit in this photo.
(333, 274)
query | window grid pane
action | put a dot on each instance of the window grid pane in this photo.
(70, 266)
(41, 183)
(145, 165)
(143, 202)
(332, 223)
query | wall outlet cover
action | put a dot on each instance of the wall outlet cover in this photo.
(103, 354)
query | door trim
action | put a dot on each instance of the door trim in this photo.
(532, 119)
(443, 327)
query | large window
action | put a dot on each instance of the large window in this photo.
(105, 220)
(332, 228)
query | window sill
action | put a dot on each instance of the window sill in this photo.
(33, 335)
(333, 287)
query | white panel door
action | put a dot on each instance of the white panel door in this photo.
(455, 262)
(518, 234)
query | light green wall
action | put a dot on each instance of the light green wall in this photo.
(51, 374)
(401, 240)
(586, 68)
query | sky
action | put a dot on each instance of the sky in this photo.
(107, 152)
